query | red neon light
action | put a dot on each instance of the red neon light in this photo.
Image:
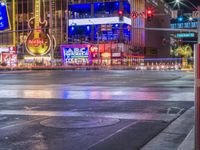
(36, 42)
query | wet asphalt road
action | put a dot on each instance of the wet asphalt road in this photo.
(89, 110)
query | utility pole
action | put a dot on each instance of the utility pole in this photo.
(50, 30)
(67, 20)
(98, 52)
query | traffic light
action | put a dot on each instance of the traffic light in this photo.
(149, 14)
(121, 15)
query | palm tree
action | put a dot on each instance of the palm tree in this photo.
(185, 52)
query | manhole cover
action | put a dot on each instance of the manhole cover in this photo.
(78, 122)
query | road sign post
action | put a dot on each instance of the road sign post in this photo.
(196, 14)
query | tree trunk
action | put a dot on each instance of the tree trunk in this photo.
(184, 62)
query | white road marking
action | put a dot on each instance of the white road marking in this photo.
(116, 115)
(111, 135)
(22, 123)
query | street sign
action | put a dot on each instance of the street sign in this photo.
(185, 35)
(4, 19)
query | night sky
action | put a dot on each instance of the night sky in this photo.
(186, 9)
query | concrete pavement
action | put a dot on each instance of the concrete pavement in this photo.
(188, 143)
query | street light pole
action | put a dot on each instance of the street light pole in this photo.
(51, 28)
(98, 55)
(98, 50)
(197, 91)
(197, 80)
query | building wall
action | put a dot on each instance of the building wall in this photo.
(150, 42)
(155, 47)
(138, 34)
(101, 9)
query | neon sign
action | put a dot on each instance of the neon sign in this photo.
(75, 53)
(97, 21)
(35, 42)
(38, 42)
(4, 18)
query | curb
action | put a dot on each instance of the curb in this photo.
(173, 136)
(15, 72)
(188, 143)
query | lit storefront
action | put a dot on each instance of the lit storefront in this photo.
(36, 61)
(8, 56)
(117, 58)
(107, 54)
(102, 54)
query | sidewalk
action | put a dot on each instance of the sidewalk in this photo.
(188, 143)
(177, 136)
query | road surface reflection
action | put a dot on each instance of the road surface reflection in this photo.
(99, 93)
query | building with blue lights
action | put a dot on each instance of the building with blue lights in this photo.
(105, 29)
(185, 21)
(99, 22)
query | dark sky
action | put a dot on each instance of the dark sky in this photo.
(187, 8)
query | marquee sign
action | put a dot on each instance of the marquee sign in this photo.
(4, 17)
(75, 53)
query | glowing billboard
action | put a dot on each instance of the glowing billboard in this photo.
(4, 17)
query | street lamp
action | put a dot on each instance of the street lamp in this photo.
(190, 19)
(181, 2)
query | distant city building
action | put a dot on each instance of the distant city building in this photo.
(151, 40)
(93, 32)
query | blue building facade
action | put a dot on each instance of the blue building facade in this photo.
(94, 22)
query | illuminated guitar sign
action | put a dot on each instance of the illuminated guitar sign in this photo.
(38, 42)
(4, 18)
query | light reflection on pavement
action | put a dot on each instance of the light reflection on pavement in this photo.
(99, 93)
(99, 85)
